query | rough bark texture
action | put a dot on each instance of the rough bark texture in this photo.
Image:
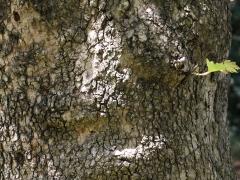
(102, 89)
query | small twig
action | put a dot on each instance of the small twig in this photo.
(201, 74)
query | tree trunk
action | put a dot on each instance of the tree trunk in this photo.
(103, 89)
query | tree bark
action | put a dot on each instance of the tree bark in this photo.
(103, 89)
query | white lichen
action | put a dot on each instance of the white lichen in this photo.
(147, 145)
(105, 49)
(13, 133)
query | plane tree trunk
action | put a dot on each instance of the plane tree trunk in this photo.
(103, 89)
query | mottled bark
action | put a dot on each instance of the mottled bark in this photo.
(102, 89)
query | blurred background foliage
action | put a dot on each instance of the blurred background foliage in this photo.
(234, 95)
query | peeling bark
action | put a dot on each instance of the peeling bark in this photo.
(102, 89)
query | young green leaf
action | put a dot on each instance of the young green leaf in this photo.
(226, 66)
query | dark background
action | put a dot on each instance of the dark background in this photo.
(234, 94)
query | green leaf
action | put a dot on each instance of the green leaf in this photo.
(226, 66)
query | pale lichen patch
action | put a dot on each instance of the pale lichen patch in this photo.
(147, 145)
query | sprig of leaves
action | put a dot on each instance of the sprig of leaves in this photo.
(226, 67)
